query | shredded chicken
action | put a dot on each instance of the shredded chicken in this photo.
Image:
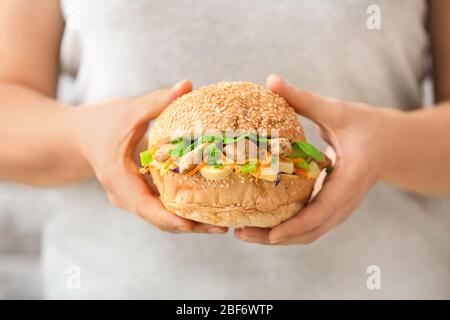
(242, 150)
(280, 147)
(163, 153)
(191, 159)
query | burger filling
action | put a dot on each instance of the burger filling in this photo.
(216, 157)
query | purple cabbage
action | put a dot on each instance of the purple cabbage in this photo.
(277, 180)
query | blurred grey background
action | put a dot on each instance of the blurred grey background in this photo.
(23, 211)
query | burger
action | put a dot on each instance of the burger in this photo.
(232, 154)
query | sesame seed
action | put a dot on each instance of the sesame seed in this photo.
(228, 105)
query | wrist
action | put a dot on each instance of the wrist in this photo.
(392, 129)
(76, 157)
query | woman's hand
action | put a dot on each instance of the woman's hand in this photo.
(107, 134)
(353, 130)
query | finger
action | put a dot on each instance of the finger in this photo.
(146, 108)
(321, 110)
(149, 106)
(150, 208)
(264, 236)
(307, 238)
(333, 197)
(135, 195)
(314, 234)
(253, 235)
(209, 228)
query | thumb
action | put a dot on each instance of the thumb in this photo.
(149, 106)
(323, 111)
(145, 108)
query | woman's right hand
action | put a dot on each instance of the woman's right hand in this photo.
(107, 134)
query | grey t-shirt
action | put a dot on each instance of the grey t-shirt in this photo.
(117, 48)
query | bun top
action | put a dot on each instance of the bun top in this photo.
(239, 106)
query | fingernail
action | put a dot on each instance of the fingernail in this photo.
(242, 236)
(178, 85)
(275, 75)
(277, 240)
(246, 238)
(216, 230)
(182, 228)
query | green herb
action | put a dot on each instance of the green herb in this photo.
(211, 138)
(311, 151)
(249, 167)
(190, 147)
(263, 139)
(246, 135)
(297, 152)
(178, 151)
(213, 153)
(228, 140)
(176, 140)
(303, 149)
(251, 136)
(146, 157)
(180, 146)
(302, 165)
(218, 165)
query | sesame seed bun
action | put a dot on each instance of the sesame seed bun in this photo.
(227, 106)
(238, 200)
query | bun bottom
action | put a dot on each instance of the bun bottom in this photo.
(236, 217)
(237, 201)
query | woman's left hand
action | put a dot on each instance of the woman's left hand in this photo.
(353, 130)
